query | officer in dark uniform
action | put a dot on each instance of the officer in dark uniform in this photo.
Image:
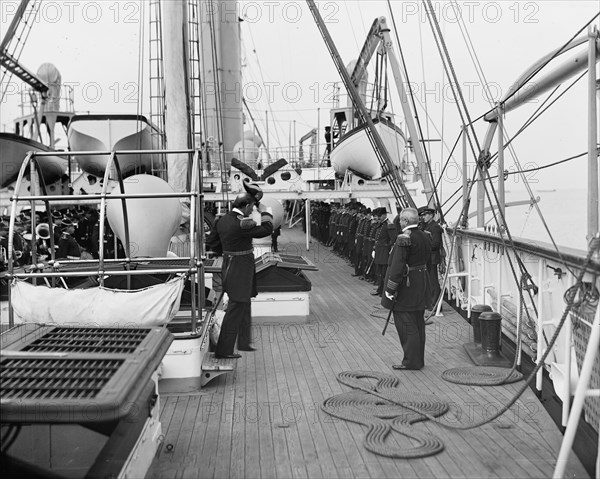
(67, 246)
(430, 226)
(407, 290)
(352, 227)
(232, 234)
(381, 249)
(370, 273)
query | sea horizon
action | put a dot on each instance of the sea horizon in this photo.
(564, 211)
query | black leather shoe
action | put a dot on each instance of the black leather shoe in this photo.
(402, 367)
(375, 293)
(355, 275)
(228, 356)
(249, 348)
(399, 367)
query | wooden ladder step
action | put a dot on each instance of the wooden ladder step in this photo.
(213, 367)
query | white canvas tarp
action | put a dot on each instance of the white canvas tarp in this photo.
(96, 307)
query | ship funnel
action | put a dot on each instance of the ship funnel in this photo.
(152, 221)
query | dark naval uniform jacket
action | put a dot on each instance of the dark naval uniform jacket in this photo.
(235, 234)
(436, 232)
(68, 247)
(382, 243)
(407, 275)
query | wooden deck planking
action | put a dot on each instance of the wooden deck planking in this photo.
(296, 368)
(266, 443)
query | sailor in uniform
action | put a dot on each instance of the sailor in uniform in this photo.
(233, 234)
(381, 249)
(435, 231)
(407, 291)
(67, 246)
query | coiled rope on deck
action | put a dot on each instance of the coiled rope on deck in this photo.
(384, 408)
(481, 376)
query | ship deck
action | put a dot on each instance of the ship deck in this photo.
(265, 420)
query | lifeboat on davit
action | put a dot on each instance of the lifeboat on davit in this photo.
(113, 133)
(14, 149)
(354, 150)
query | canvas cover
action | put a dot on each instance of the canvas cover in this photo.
(97, 307)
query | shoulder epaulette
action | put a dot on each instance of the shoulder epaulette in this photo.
(403, 239)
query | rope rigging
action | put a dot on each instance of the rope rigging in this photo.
(264, 82)
(564, 48)
(457, 92)
(218, 112)
(499, 218)
(414, 108)
(401, 193)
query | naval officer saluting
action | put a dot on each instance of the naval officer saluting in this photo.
(233, 233)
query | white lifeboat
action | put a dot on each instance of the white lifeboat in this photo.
(355, 152)
(14, 149)
(113, 133)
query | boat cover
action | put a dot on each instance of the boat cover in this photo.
(99, 306)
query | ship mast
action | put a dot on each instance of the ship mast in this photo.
(177, 120)
(221, 68)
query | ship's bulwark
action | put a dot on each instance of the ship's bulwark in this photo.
(265, 419)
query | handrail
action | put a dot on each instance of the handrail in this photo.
(570, 256)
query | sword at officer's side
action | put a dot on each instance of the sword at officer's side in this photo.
(387, 321)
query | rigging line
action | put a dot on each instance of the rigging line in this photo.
(352, 26)
(441, 135)
(534, 116)
(399, 189)
(528, 123)
(424, 76)
(542, 167)
(451, 74)
(471, 49)
(450, 157)
(140, 73)
(218, 111)
(414, 107)
(518, 172)
(463, 213)
(203, 107)
(557, 52)
(260, 71)
(450, 197)
(484, 170)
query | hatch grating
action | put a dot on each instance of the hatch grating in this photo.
(89, 340)
(27, 378)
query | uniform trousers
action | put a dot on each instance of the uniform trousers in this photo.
(434, 282)
(381, 270)
(411, 330)
(237, 320)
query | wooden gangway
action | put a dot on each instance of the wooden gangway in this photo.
(264, 420)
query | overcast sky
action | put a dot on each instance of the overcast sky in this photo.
(95, 45)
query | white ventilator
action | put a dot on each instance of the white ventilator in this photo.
(152, 221)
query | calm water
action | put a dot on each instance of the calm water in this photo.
(564, 211)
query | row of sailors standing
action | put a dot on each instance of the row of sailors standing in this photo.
(364, 237)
